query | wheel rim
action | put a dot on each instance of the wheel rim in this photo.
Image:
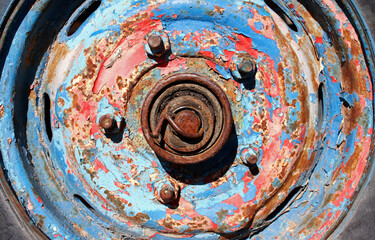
(302, 110)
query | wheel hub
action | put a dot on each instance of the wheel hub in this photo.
(198, 115)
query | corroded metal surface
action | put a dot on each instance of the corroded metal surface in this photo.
(292, 154)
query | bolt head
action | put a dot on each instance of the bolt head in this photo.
(252, 159)
(167, 194)
(107, 123)
(247, 68)
(156, 44)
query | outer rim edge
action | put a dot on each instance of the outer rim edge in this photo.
(344, 225)
(13, 11)
(17, 209)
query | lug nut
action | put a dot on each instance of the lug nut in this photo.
(251, 160)
(247, 68)
(107, 123)
(167, 194)
(156, 44)
(244, 68)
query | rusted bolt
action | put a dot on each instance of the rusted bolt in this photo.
(251, 160)
(156, 44)
(167, 194)
(244, 69)
(249, 157)
(107, 123)
(247, 67)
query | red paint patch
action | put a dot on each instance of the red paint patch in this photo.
(244, 43)
(126, 176)
(247, 179)
(235, 200)
(38, 199)
(99, 165)
(119, 185)
(228, 56)
(106, 208)
(318, 40)
(370, 131)
(207, 54)
(287, 143)
(211, 65)
(173, 66)
(334, 80)
(149, 187)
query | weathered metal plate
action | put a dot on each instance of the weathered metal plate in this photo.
(302, 133)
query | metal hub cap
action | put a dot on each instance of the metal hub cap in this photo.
(198, 115)
(186, 119)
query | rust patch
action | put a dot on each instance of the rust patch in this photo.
(40, 222)
(351, 165)
(351, 117)
(59, 50)
(115, 200)
(139, 218)
(1, 111)
(220, 10)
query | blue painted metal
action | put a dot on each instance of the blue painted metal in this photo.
(82, 183)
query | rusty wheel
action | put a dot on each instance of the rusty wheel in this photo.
(185, 119)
